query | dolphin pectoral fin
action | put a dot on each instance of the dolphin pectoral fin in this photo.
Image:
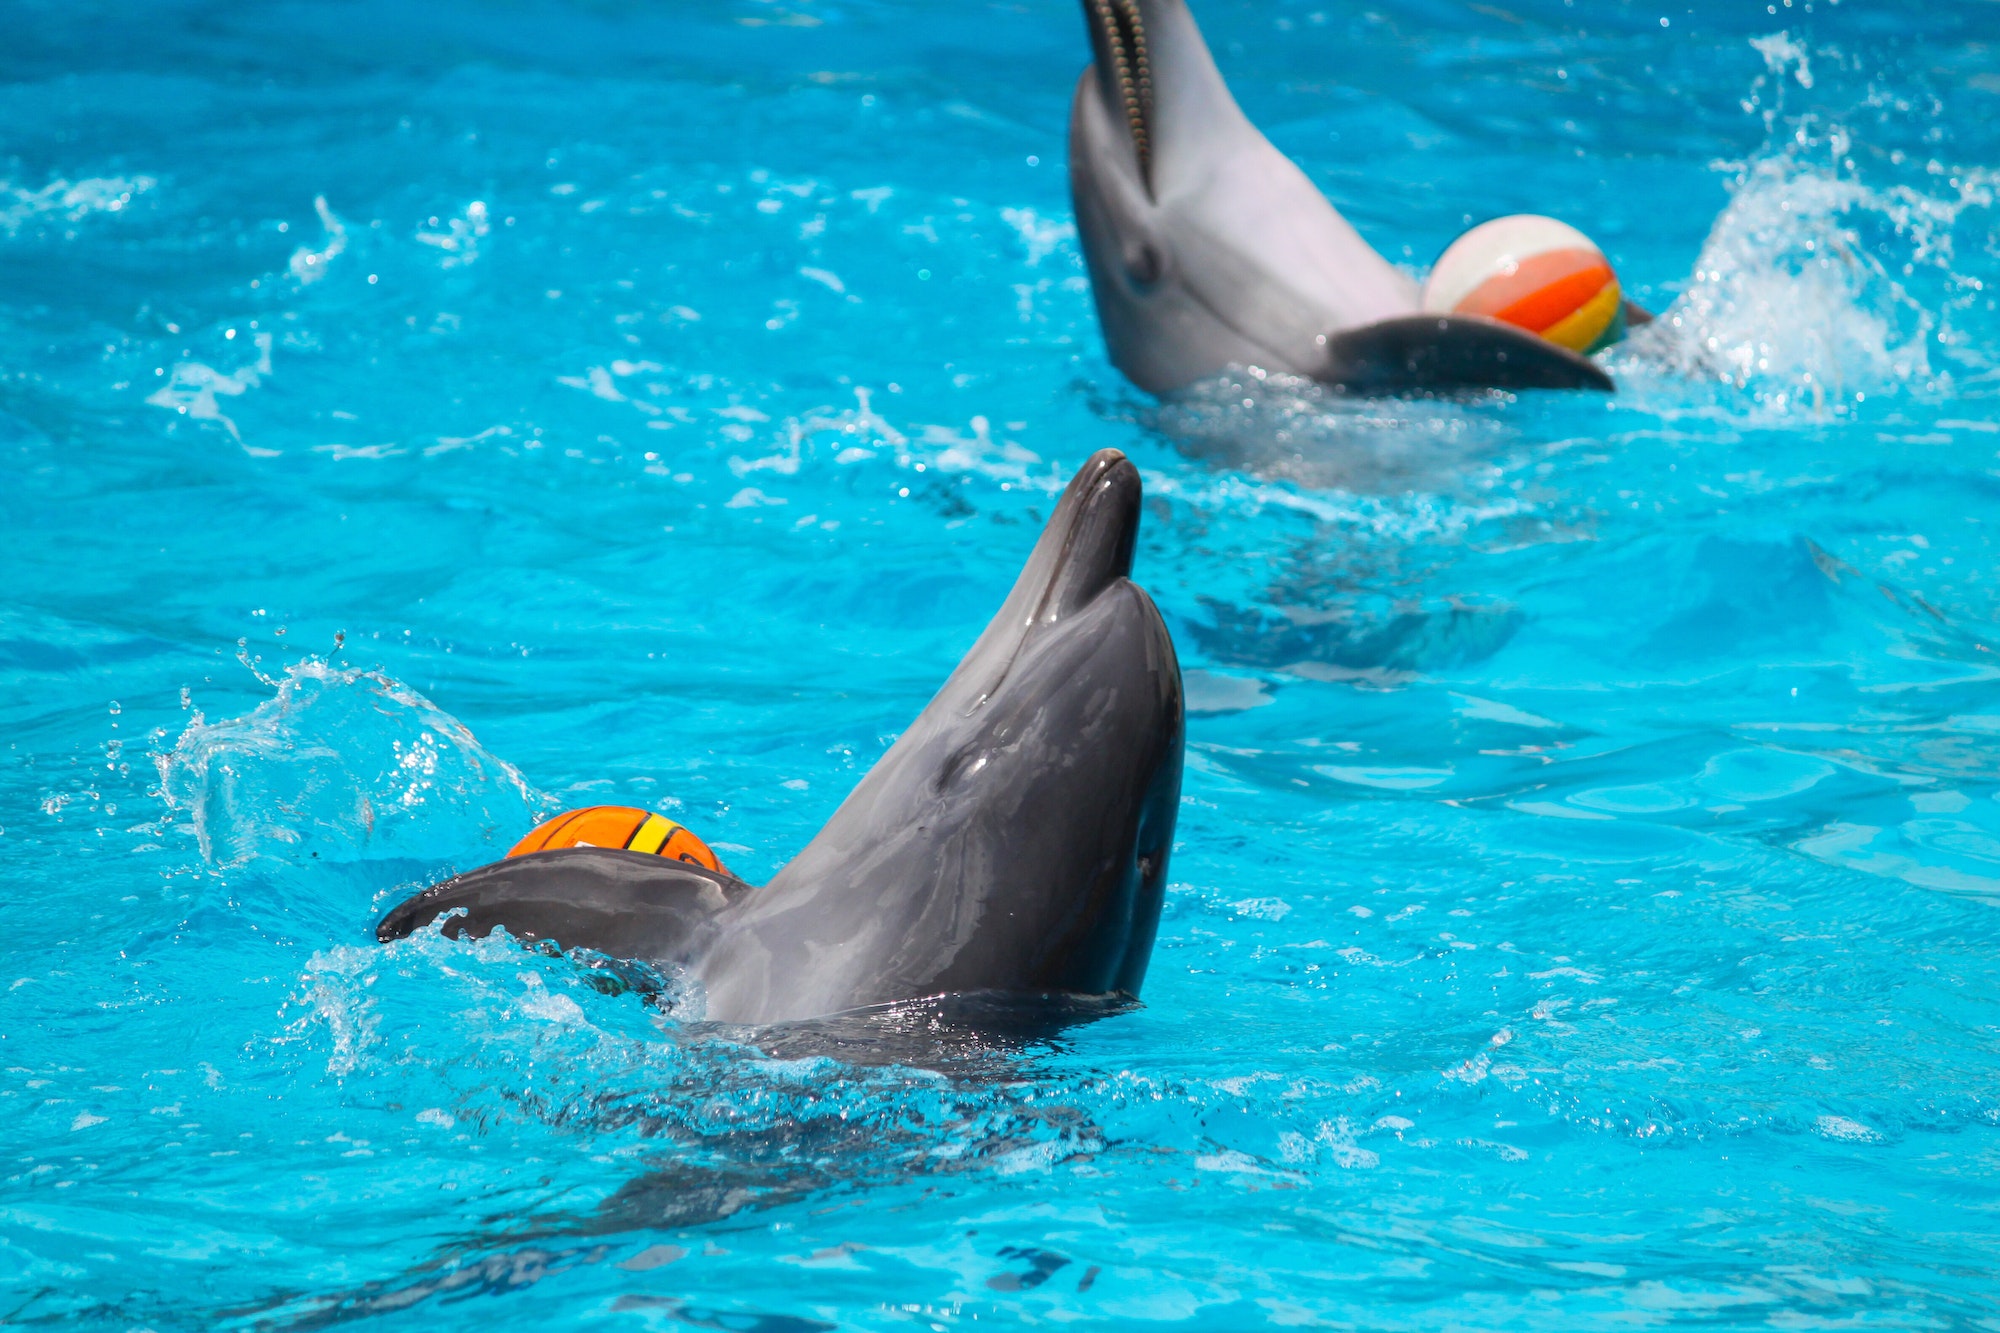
(621, 904)
(1412, 353)
(1636, 315)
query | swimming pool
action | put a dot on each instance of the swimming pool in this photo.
(414, 419)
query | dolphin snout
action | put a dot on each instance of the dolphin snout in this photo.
(1097, 536)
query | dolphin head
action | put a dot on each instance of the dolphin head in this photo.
(1015, 838)
(1207, 247)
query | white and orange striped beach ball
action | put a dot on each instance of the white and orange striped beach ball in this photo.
(1534, 272)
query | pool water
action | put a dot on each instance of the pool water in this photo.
(415, 419)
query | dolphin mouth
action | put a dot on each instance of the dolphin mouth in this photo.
(1125, 72)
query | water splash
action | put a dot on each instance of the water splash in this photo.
(342, 763)
(1834, 271)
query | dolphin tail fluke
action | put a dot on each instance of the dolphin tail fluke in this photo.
(624, 904)
(1430, 353)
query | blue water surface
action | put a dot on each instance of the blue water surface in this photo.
(419, 417)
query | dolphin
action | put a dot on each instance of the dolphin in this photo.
(1011, 844)
(1208, 248)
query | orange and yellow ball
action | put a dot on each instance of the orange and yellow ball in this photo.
(618, 826)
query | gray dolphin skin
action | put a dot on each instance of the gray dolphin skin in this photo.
(1012, 842)
(1208, 248)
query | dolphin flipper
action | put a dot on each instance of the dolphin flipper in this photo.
(1411, 353)
(624, 904)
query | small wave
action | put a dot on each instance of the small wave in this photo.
(347, 763)
(1355, 642)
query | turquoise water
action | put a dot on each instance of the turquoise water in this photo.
(416, 418)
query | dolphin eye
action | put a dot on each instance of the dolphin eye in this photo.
(963, 764)
(1144, 265)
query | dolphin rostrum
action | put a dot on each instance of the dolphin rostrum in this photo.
(1208, 248)
(1013, 842)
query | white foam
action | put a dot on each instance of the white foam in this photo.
(309, 265)
(458, 237)
(825, 278)
(70, 201)
(1784, 53)
(1841, 1128)
(1042, 236)
(192, 388)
